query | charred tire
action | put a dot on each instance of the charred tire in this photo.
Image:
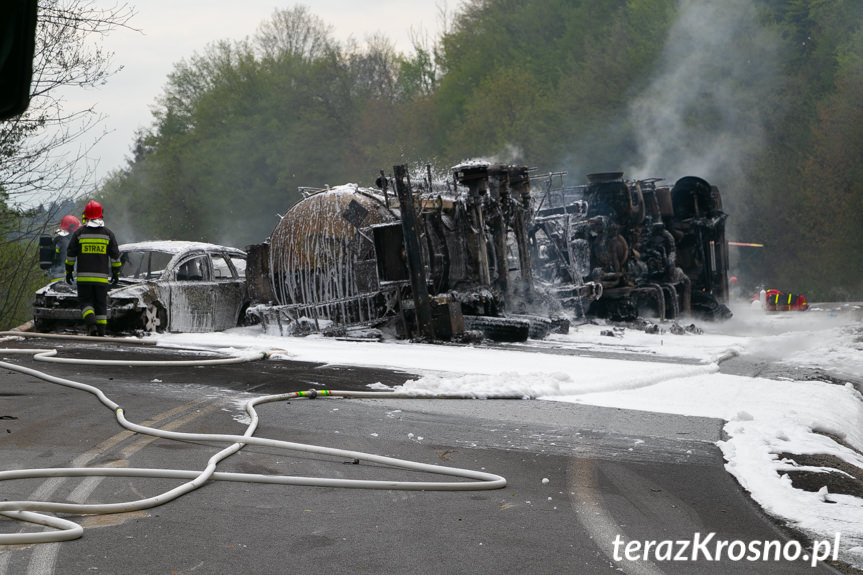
(44, 325)
(705, 307)
(504, 329)
(540, 327)
(614, 308)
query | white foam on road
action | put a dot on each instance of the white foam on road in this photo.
(764, 417)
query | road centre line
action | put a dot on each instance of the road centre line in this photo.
(586, 499)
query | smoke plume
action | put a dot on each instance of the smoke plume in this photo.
(703, 112)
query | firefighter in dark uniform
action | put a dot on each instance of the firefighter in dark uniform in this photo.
(96, 252)
(68, 225)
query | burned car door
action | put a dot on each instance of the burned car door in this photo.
(191, 306)
(230, 288)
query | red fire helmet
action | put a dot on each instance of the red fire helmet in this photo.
(93, 210)
(69, 223)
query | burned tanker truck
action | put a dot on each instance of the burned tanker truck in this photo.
(481, 255)
(654, 251)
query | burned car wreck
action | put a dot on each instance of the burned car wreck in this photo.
(164, 286)
(481, 252)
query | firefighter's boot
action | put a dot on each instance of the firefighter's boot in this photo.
(100, 330)
(90, 322)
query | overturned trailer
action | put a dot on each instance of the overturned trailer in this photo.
(480, 253)
(429, 259)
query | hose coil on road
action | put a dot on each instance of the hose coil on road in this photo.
(35, 511)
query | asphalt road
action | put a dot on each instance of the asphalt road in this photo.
(578, 478)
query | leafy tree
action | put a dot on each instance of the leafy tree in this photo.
(499, 115)
(801, 190)
(13, 265)
(294, 34)
(832, 186)
(759, 97)
(35, 157)
(417, 75)
(240, 127)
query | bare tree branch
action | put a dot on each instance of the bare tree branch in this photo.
(42, 155)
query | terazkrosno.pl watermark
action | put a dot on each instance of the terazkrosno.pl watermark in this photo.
(708, 548)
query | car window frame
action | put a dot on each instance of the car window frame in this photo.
(230, 256)
(207, 272)
(225, 257)
(149, 274)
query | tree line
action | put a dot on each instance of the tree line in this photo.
(759, 97)
(762, 98)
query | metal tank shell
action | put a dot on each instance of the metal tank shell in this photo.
(318, 252)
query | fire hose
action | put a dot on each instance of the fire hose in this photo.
(35, 512)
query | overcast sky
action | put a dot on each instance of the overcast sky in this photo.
(172, 30)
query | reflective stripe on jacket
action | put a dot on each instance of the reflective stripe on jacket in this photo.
(97, 253)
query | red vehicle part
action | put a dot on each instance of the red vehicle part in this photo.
(779, 301)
